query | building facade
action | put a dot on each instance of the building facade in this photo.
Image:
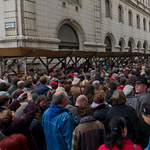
(86, 25)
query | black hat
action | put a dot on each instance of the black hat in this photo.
(142, 80)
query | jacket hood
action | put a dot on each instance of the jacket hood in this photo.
(56, 110)
(41, 89)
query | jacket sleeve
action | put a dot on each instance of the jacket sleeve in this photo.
(30, 114)
(136, 125)
(67, 128)
(14, 105)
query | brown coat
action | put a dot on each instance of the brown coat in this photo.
(89, 134)
(76, 91)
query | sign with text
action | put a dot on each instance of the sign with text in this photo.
(9, 25)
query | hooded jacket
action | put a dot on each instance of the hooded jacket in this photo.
(42, 89)
(58, 126)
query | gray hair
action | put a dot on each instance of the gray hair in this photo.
(58, 97)
(96, 83)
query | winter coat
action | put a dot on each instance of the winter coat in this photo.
(127, 145)
(109, 95)
(12, 89)
(144, 97)
(129, 114)
(131, 101)
(38, 134)
(58, 126)
(21, 125)
(42, 89)
(88, 135)
(100, 112)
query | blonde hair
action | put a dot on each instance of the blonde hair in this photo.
(118, 97)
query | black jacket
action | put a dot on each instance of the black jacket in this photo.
(128, 113)
(100, 112)
(109, 95)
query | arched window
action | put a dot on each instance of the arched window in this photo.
(120, 14)
(138, 21)
(144, 24)
(130, 18)
(107, 4)
(139, 46)
(130, 46)
(68, 37)
(121, 45)
(108, 44)
(145, 46)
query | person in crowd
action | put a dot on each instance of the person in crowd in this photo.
(14, 85)
(6, 78)
(96, 85)
(20, 86)
(128, 113)
(9, 124)
(37, 130)
(58, 124)
(14, 142)
(42, 89)
(97, 76)
(116, 139)
(76, 90)
(100, 108)
(130, 99)
(131, 81)
(123, 82)
(89, 92)
(90, 133)
(41, 102)
(112, 87)
(74, 109)
(113, 77)
(4, 89)
(67, 88)
(144, 96)
(29, 87)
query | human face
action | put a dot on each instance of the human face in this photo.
(43, 103)
(146, 118)
(140, 88)
(102, 74)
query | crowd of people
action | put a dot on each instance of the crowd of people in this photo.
(105, 108)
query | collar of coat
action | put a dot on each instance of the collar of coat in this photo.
(87, 119)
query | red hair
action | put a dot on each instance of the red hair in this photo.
(14, 142)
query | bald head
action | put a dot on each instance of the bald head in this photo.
(20, 84)
(81, 100)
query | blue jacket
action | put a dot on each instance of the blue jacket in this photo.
(42, 89)
(58, 126)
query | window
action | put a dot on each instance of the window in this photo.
(138, 21)
(144, 24)
(139, 46)
(130, 18)
(121, 46)
(149, 27)
(68, 37)
(108, 44)
(130, 46)
(107, 4)
(120, 14)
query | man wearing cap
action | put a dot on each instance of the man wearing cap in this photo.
(131, 100)
(141, 86)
